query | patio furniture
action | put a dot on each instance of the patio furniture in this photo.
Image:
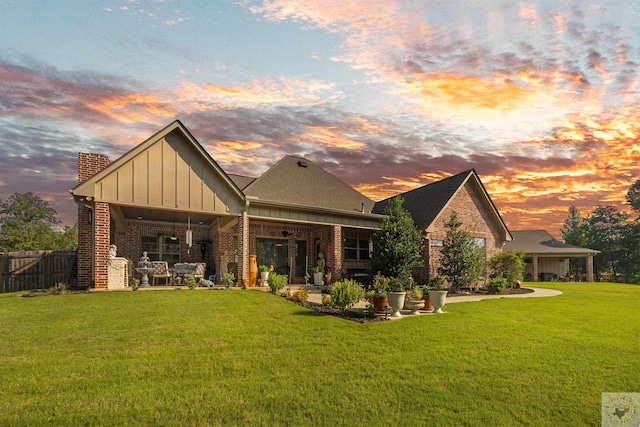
(160, 271)
(182, 269)
(200, 270)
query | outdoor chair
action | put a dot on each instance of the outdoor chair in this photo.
(160, 271)
(200, 270)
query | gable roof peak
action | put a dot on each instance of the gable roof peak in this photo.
(296, 180)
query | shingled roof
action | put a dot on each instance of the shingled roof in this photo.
(241, 181)
(540, 242)
(298, 181)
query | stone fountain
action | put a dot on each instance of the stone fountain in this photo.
(145, 268)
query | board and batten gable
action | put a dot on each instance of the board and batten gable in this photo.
(170, 172)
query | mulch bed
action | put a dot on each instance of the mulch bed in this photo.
(352, 315)
(45, 293)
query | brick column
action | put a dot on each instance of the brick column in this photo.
(243, 249)
(535, 267)
(89, 265)
(102, 236)
(333, 254)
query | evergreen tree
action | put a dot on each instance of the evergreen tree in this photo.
(397, 245)
(462, 261)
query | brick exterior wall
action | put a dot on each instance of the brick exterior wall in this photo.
(468, 204)
(91, 225)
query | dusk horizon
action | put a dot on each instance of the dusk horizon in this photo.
(540, 98)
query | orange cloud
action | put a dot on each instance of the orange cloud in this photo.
(211, 96)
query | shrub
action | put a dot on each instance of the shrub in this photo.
(398, 284)
(58, 289)
(326, 300)
(135, 284)
(436, 283)
(228, 279)
(509, 265)
(497, 285)
(416, 293)
(380, 285)
(263, 268)
(300, 295)
(191, 282)
(277, 282)
(345, 293)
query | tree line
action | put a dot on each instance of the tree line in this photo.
(27, 224)
(613, 232)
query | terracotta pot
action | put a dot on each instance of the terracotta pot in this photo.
(253, 271)
(379, 303)
(427, 303)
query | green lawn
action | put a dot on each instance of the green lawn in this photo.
(251, 358)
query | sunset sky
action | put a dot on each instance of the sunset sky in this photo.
(542, 98)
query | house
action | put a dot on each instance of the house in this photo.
(548, 258)
(169, 198)
(431, 206)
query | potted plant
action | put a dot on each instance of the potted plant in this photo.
(379, 297)
(414, 302)
(264, 274)
(425, 297)
(318, 271)
(396, 294)
(437, 295)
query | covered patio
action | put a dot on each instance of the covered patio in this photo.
(167, 197)
(548, 259)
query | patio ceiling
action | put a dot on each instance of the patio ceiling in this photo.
(161, 215)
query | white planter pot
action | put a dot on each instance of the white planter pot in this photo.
(414, 305)
(438, 300)
(317, 278)
(396, 301)
(264, 277)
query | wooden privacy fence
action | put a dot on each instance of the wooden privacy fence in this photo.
(23, 271)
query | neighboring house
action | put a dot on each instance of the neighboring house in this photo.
(547, 258)
(147, 200)
(431, 207)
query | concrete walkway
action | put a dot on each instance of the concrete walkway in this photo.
(315, 295)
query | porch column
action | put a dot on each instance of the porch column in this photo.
(243, 249)
(535, 267)
(333, 256)
(590, 277)
(102, 237)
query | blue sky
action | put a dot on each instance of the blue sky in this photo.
(540, 97)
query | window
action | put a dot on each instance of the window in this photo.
(162, 248)
(273, 252)
(357, 249)
(480, 242)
